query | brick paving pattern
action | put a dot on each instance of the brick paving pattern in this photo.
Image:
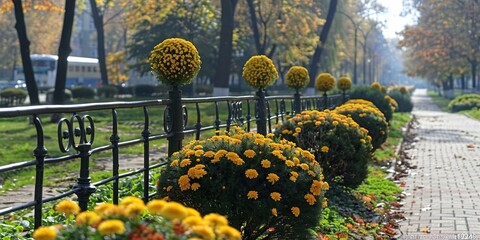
(443, 192)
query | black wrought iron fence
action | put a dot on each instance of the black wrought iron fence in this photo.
(76, 134)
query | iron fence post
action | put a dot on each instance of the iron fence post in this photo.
(261, 112)
(297, 102)
(40, 153)
(325, 100)
(84, 188)
(176, 116)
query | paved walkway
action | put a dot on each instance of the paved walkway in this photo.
(443, 192)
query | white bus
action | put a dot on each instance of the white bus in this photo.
(81, 71)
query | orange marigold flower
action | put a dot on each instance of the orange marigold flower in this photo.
(251, 173)
(252, 195)
(249, 153)
(310, 198)
(272, 178)
(266, 163)
(295, 211)
(276, 196)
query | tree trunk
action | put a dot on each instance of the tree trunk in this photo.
(256, 33)
(473, 64)
(313, 71)
(224, 61)
(462, 79)
(25, 53)
(98, 22)
(63, 51)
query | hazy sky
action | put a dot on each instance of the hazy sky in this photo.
(393, 21)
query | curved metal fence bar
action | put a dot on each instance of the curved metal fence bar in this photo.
(77, 131)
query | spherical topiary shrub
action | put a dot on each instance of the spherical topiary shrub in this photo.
(464, 102)
(344, 83)
(175, 61)
(83, 92)
(325, 82)
(297, 77)
(403, 100)
(367, 117)
(374, 96)
(339, 144)
(376, 86)
(259, 184)
(259, 72)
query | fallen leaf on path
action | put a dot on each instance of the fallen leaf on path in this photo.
(425, 230)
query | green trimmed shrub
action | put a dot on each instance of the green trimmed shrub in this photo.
(369, 118)
(404, 100)
(339, 144)
(464, 102)
(67, 92)
(256, 182)
(107, 91)
(12, 96)
(144, 90)
(82, 92)
(376, 97)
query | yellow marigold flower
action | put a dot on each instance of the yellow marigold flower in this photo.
(274, 212)
(87, 218)
(310, 198)
(108, 209)
(175, 61)
(135, 209)
(304, 166)
(289, 163)
(189, 153)
(251, 173)
(344, 83)
(198, 147)
(169, 188)
(295, 211)
(185, 162)
(192, 212)
(278, 153)
(195, 186)
(252, 195)
(199, 152)
(249, 153)
(130, 200)
(297, 77)
(232, 156)
(155, 206)
(326, 186)
(184, 182)
(266, 163)
(276, 196)
(324, 203)
(316, 187)
(362, 140)
(215, 220)
(191, 221)
(335, 123)
(67, 207)
(112, 226)
(204, 231)
(227, 232)
(324, 149)
(174, 163)
(209, 154)
(174, 210)
(324, 82)
(259, 72)
(273, 178)
(197, 171)
(259, 141)
(311, 173)
(45, 233)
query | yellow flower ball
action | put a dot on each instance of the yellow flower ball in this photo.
(87, 218)
(67, 207)
(112, 226)
(155, 206)
(191, 221)
(259, 72)
(174, 210)
(175, 61)
(135, 209)
(344, 83)
(215, 220)
(184, 182)
(325, 82)
(295, 211)
(251, 173)
(297, 77)
(204, 231)
(45, 233)
(249, 153)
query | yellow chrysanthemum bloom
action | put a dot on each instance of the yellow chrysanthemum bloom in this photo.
(185, 162)
(325, 82)
(174, 210)
(227, 232)
(251, 173)
(135, 209)
(108, 209)
(289, 163)
(297, 77)
(192, 212)
(174, 163)
(310, 198)
(87, 218)
(175, 61)
(204, 231)
(155, 206)
(215, 220)
(191, 221)
(295, 211)
(112, 226)
(198, 171)
(259, 72)
(324, 149)
(67, 207)
(45, 233)
(130, 200)
(276, 196)
(209, 154)
(249, 153)
(316, 187)
(266, 163)
(184, 182)
(195, 186)
(272, 178)
(344, 83)
(252, 195)
(274, 212)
